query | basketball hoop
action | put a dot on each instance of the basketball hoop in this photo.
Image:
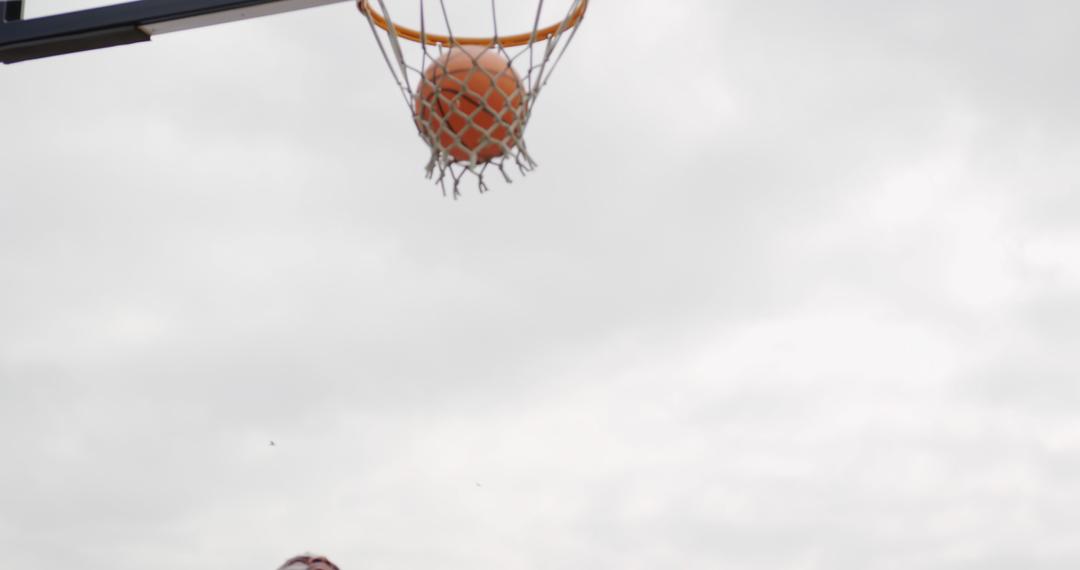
(471, 97)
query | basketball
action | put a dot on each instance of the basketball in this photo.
(469, 102)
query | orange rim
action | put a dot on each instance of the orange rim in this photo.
(508, 41)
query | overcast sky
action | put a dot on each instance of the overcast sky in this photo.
(795, 286)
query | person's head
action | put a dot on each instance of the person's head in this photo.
(308, 562)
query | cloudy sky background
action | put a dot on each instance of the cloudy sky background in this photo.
(794, 287)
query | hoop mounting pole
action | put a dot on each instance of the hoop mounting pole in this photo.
(11, 10)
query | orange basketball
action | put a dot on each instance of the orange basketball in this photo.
(470, 99)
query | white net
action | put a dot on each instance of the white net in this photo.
(470, 89)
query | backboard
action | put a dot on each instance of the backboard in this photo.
(24, 35)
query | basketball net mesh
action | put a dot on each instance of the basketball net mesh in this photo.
(464, 128)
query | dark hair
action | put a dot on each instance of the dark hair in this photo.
(309, 559)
